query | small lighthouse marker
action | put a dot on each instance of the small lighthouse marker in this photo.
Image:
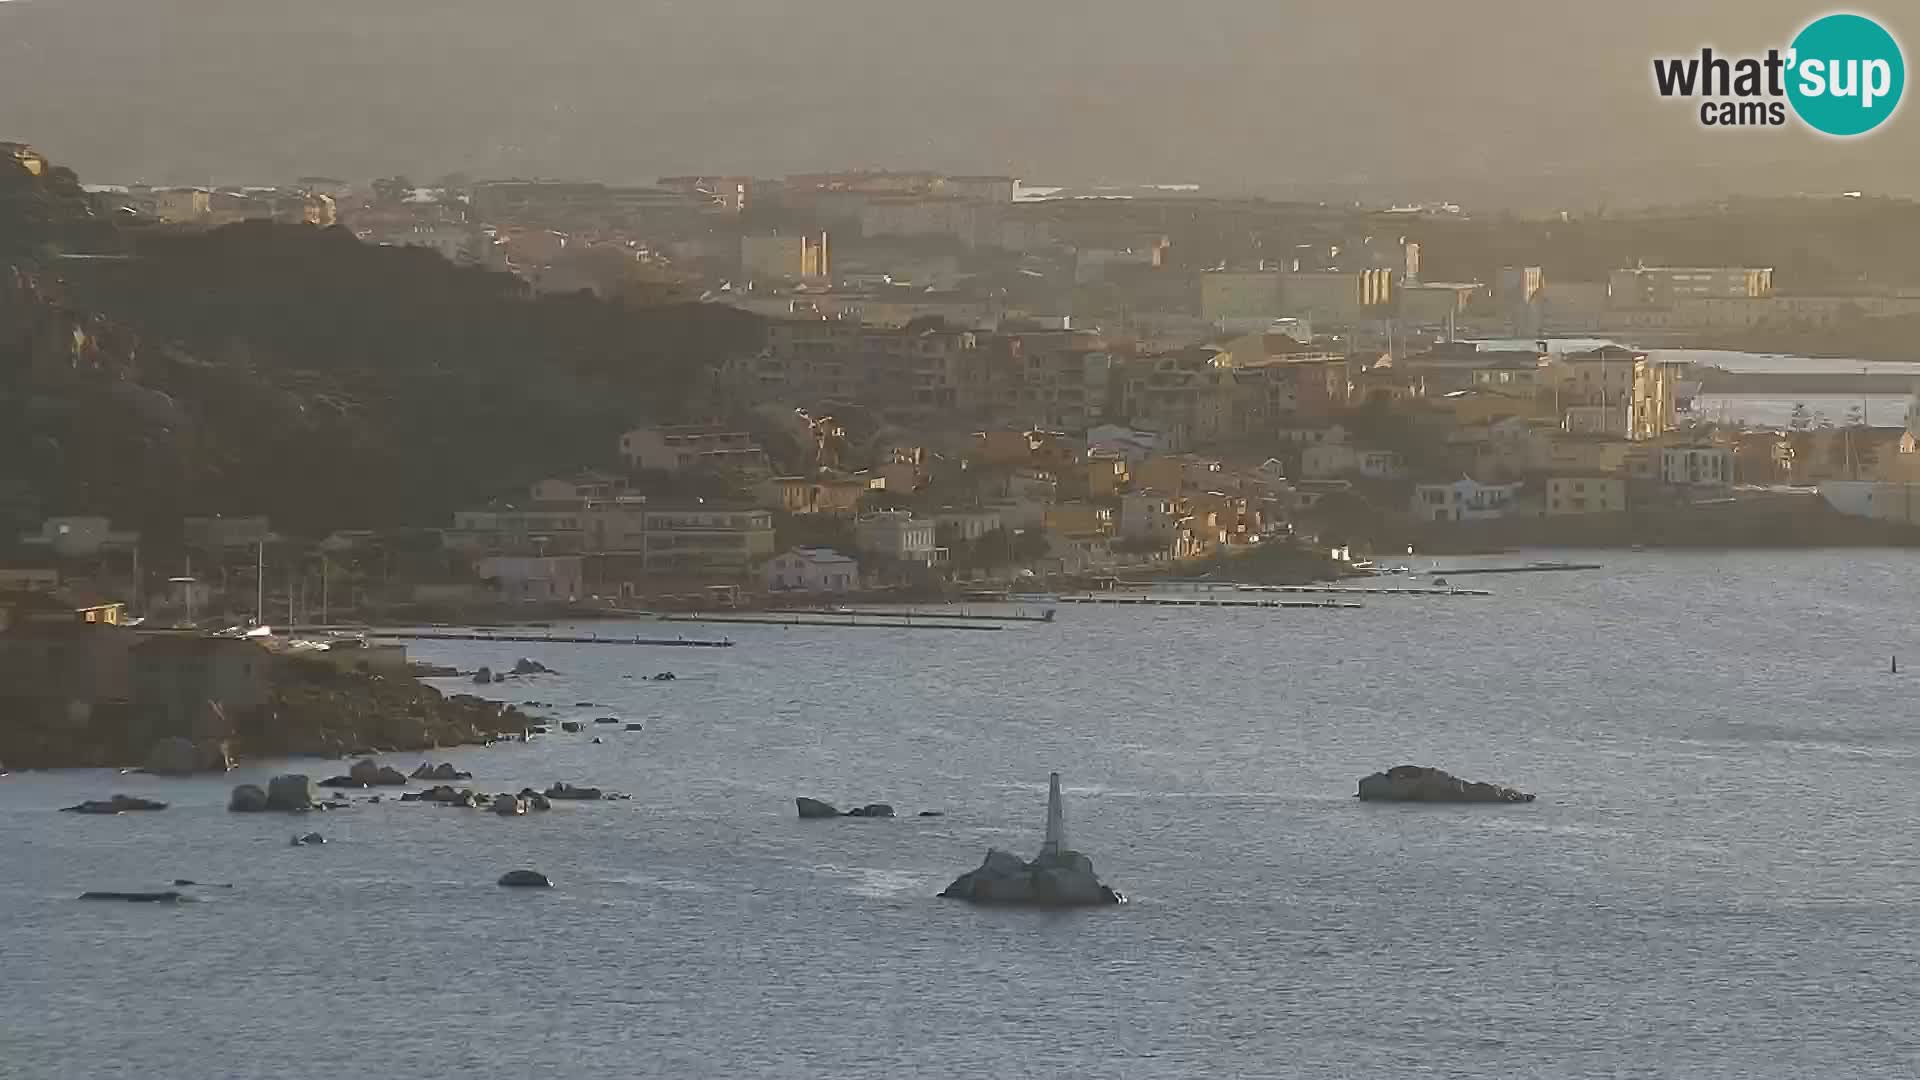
(1056, 839)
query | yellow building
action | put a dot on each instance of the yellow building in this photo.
(1611, 391)
(1228, 294)
(24, 156)
(1226, 519)
(1107, 476)
(1585, 493)
(1079, 519)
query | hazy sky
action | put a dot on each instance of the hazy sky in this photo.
(1465, 97)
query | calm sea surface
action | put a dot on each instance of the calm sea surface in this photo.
(1719, 879)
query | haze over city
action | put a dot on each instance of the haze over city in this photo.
(825, 538)
(1495, 102)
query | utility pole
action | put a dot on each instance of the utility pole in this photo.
(323, 588)
(260, 583)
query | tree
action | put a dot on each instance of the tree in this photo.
(1802, 417)
(296, 372)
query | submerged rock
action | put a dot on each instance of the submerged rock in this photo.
(167, 897)
(308, 839)
(525, 666)
(580, 794)
(119, 804)
(1418, 783)
(1058, 877)
(247, 799)
(442, 771)
(445, 795)
(878, 809)
(509, 805)
(814, 808)
(483, 676)
(570, 726)
(525, 879)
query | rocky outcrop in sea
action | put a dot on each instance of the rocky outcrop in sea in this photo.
(1057, 877)
(1420, 783)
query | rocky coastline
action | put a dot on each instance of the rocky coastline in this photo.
(312, 710)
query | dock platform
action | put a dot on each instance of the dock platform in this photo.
(1139, 600)
(873, 621)
(1530, 568)
(1363, 590)
(553, 639)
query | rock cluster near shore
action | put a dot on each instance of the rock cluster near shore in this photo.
(313, 709)
(1419, 783)
(326, 713)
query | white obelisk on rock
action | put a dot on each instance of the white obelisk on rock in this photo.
(1056, 839)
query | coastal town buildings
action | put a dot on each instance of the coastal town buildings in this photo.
(1585, 493)
(899, 536)
(812, 570)
(673, 448)
(1464, 499)
(545, 578)
(1696, 467)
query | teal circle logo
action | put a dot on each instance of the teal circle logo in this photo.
(1846, 76)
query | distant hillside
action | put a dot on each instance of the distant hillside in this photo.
(297, 372)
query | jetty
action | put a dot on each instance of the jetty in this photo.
(1141, 600)
(1363, 590)
(1529, 568)
(552, 639)
(873, 621)
(1023, 616)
